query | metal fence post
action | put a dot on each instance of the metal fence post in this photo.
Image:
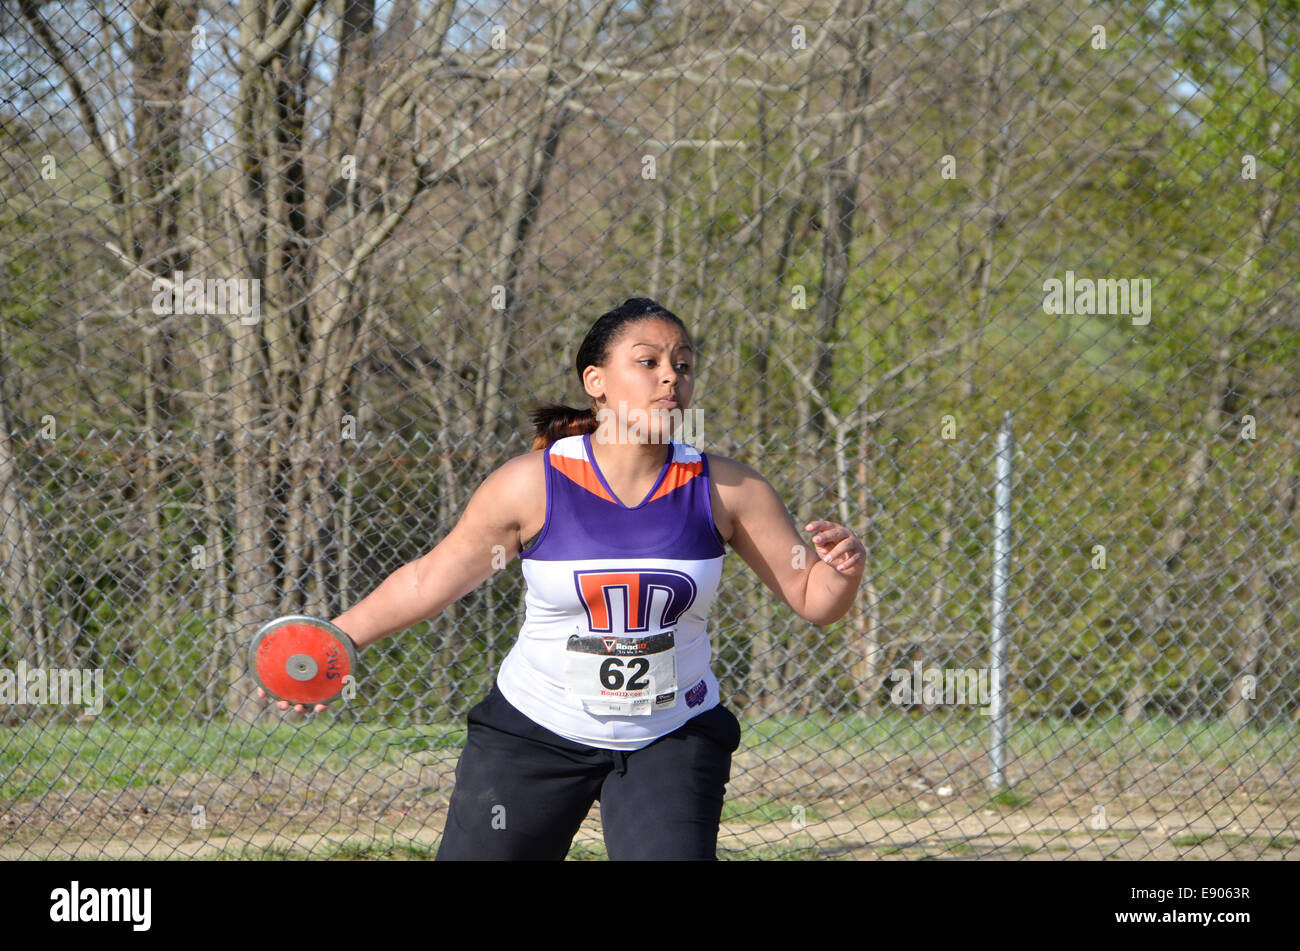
(1001, 561)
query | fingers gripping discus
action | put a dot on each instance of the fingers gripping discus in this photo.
(302, 659)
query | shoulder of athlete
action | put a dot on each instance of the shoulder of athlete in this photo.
(734, 478)
(518, 481)
(516, 490)
(733, 485)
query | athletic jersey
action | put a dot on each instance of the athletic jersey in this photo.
(618, 603)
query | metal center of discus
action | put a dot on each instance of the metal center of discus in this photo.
(300, 667)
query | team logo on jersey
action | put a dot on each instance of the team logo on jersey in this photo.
(596, 589)
(695, 696)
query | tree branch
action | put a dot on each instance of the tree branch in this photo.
(31, 11)
(261, 51)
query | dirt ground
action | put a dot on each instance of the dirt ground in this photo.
(854, 834)
(818, 808)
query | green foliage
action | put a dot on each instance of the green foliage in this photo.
(1144, 181)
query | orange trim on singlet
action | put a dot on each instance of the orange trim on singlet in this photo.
(581, 472)
(679, 473)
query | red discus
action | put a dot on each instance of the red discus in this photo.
(302, 659)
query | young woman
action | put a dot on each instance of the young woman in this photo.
(607, 694)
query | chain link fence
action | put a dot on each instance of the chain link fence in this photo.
(282, 280)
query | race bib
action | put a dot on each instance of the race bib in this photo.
(622, 676)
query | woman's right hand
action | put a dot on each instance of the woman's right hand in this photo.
(284, 704)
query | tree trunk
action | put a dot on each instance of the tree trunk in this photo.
(25, 613)
(1250, 647)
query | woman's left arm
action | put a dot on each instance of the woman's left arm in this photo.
(819, 583)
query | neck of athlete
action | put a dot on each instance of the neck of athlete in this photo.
(630, 461)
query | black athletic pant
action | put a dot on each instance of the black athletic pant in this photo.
(522, 791)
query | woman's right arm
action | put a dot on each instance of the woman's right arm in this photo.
(485, 539)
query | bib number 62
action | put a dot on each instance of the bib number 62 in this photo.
(611, 673)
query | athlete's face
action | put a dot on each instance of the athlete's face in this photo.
(650, 362)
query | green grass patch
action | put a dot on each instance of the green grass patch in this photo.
(61, 758)
(773, 853)
(764, 810)
(408, 851)
(351, 849)
(1091, 833)
(1008, 798)
(587, 852)
(1235, 839)
(262, 853)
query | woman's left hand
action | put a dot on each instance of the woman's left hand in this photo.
(838, 547)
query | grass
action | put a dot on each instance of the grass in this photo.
(1193, 838)
(1235, 839)
(775, 852)
(344, 850)
(61, 759)
(105, 756)
(1207, 744)
(1107, 833)
(1008, 798)
(798, 848)
(764, 810)
(411, 851)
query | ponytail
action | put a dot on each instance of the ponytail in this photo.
(553, 421)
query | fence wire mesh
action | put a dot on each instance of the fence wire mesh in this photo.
(282, 279)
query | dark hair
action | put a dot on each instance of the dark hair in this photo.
(555, 421)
